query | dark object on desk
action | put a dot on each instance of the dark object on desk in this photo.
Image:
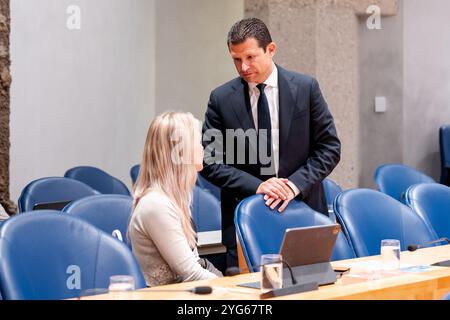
(308, 250)
(290, 290)
(445, 263)
(201, 290)
(340, 271)
(253, 285)
(195, 290)
(58, 205)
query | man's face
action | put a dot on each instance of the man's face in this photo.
(252, 63)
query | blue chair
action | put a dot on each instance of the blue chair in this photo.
(206, 211)
(432, 202)
(332, 189)
(108, 212)
(394, 179)
(98, 180)
(208, 186)
(444, 144)
(368, 216)
(447, 297)
(260, 230)
(52, 189)
(134, 172)
(56, 256)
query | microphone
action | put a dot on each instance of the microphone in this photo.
(414, 247)
(201, 290)
(195, 290)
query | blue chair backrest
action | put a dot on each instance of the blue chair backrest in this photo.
(260, 230)
(432, 202)
(134, 172)
(447, 297)
(108, 212)
(208, 186)
(206, 211)
(369, 216)
(394, 179)
(98, 180)
(444, 144)
(56, 256)
(332, 189)
(52, 189)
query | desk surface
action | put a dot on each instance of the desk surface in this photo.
(363, 281)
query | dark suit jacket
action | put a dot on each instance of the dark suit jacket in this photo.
(309, 148)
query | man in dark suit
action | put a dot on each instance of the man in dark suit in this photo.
(268, 132)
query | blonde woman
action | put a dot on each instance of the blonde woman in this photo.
(160, 230)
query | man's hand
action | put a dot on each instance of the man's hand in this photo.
(274, 202)
(275, 188)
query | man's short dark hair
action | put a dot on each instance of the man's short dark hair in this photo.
(249, 28)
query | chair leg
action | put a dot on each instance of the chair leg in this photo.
(243, 267)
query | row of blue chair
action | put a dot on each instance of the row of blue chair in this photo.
(98, 179)
(394, 179)
(77, 183)
(366, 216)
(109, 212)
(369, 216)
(260, 230)
(58, 256)
(431, 201)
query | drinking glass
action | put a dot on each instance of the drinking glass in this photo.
(120, 286)
(390, 254)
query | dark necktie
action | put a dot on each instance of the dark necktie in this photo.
(264, 121)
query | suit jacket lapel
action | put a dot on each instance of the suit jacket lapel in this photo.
(240, 101)
(287, 93)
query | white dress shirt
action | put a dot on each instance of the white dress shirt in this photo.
(272, 94)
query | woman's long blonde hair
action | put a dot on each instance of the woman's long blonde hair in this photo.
(168, 164)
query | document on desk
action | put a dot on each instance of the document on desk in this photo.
(372, 270)
(415, 269)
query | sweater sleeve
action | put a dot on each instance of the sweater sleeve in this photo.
(163, 225)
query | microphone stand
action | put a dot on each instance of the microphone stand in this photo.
(445, 263)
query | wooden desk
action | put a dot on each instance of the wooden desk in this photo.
(431, 284)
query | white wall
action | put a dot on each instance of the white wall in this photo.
(81, 97)
(191, 55)
(408, 62)
(86, 97)
(381, 74)
(426, 81)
